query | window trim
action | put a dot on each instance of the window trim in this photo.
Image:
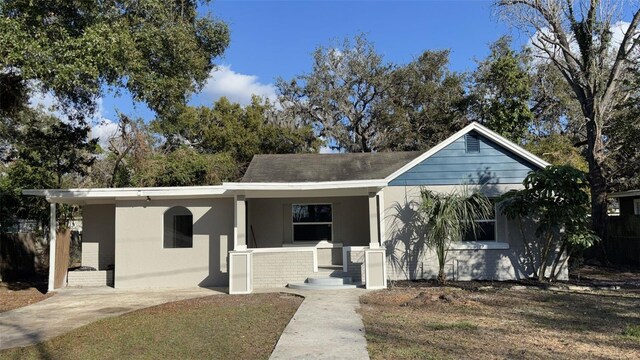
(162, 244)
(636, 206)
(293, 224)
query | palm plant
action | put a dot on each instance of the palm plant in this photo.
(448, 216)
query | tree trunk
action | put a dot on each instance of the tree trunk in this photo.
(527, 249)
(556, 262)
(544, 255)
(597, 179)
(442, 277)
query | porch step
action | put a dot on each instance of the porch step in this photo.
(330, 280)
(309, 286)
(326, 283)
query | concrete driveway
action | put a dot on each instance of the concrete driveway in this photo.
(73, 308)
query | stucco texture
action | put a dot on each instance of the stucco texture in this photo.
(98, 236)
(142, 262)
(406, 261)
(271, 220)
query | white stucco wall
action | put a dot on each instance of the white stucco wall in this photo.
(142, 262)
(404, 262)
(98, 235)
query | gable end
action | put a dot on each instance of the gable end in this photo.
(459, 163)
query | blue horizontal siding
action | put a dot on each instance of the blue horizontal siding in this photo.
(453, 166)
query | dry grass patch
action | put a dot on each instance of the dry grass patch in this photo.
(17, 295)
(425, 323)
(213, 327)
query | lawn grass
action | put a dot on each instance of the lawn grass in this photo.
(213, 327)
(453, 323)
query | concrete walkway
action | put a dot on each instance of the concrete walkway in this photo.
(72, 308)
(326, 326)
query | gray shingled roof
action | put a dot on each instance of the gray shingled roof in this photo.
(325, 167)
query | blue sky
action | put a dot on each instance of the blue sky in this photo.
(275, 38)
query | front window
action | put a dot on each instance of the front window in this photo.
(312, 222)
(486, 230)
(636, 206)
(178, 228)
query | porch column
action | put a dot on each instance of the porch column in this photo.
(52, 246)
(382, 229)
(374, 242)
(240, 224)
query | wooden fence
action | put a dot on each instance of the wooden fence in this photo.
(623, 242)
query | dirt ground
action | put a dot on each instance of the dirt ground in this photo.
(623, 277)
(491, 322)
(15, 295)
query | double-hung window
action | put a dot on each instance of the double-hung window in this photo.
(312, 222)
(486, 230)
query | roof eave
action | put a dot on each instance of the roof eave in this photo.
(226, 189)
(622, 194)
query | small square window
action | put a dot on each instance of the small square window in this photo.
(472, 143)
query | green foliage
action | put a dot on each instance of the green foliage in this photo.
(556, 198)
(341, 95)
(557, 149)
(159, 51)
(46, 153)
(240, 132)
(203, 146)
(186, 167)
(501, 92)
(446, 217)
(555, 108)
(52, 148)
(578, 41)
(424, 104)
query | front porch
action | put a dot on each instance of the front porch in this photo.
(290, 236)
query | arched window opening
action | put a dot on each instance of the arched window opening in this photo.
(178, 228)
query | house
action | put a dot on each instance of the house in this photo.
(629, 202)
(300, 216)
(622, 245)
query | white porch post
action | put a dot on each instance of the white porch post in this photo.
(52, 246)
(381, 218)
(374, 242)
(240, 259)
(374, 257)
(240, 224)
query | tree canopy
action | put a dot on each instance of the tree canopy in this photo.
(556, 197)
(159, 51)
(576, 37)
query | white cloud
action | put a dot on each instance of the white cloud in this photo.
(103, 130)
(328, 150)
(45, 101)
(101, 127)
(235, 86)
(618, 30)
